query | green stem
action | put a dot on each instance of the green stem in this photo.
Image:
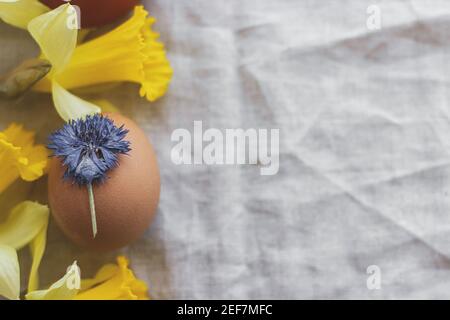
(92, 209)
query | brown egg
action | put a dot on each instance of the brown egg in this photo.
(125, 204)
(97, 13)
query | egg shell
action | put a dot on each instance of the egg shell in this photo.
(125, 203)
(97, 13)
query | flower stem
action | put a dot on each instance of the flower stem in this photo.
(92, 209)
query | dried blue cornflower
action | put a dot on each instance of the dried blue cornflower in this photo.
(89, 148)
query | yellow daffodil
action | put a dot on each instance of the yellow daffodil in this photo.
(20, 12)
(131, 52)
(19, 157)
(113, 282)
(26, 225)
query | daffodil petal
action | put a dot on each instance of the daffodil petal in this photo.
(63, 289)
(20, 12)
(37, 248)
(23, 224)
(55, 35)
(70, 106)
(105, 273)
(112, 289)
(140, 289)
(9, 273)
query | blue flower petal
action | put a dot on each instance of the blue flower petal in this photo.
(89, 148)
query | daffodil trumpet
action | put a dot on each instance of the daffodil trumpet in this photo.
(113, 282)
(130, 53)
(20, 157)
